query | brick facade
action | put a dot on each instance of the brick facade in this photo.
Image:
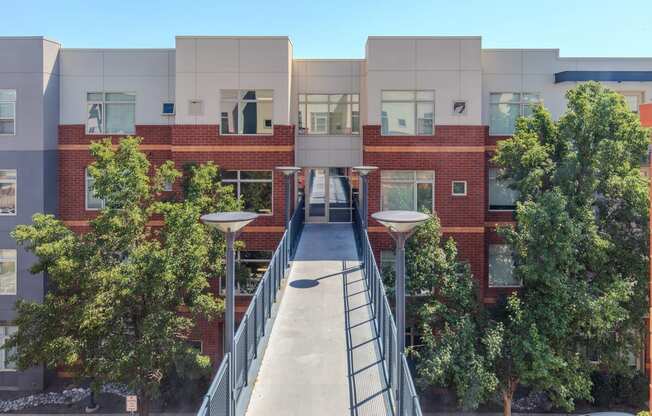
(184, 144)
(453, 153)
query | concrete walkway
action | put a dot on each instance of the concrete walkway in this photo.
(322, 357)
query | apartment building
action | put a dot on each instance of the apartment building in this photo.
(428, 111)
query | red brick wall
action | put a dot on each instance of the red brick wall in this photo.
(462, 217)
(185, 144)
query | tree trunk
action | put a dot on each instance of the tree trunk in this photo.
(143, 404)
(507, 403)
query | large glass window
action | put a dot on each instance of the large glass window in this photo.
(93, 203)
(253, 186)
(633, 100)
(246, 111)
(407, 113)
(7, 112)
(8, 272)
(6, 355)
(329, 114)
(506, 107)
(111, 113)
(252, 265)
(407, 190)
(501, 196)
(8, 192)
(501, 266)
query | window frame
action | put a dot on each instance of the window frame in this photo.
(104, 105)
(521, 106)
(640, 96)
(15, 182)
(15, 106)
(87, 177)
(13, 259)
(415, 181)
(489, 193)
(302, 105)
(489, 281)
(466, 189)
(238, 181)
(416, 103)
(6, 332)
(240, 101)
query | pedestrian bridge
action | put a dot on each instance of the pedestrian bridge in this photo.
(318, 337)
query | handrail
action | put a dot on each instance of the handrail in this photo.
(385, 325)
(252, 327)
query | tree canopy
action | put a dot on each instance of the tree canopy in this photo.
(123, 295)
(580, 248)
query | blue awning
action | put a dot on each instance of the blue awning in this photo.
(616, 76)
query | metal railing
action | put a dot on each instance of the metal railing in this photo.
(252, 328)
(385, 325)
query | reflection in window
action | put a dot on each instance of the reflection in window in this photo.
(110, 113)
(633, 100)
(8, 272)
(329, 114)
(501, 196)
(506, 108)
(7, 112)
(246, 111)
(8, 192)
(407, 113)
(6, 355)
(253, 186)
(407, 190)
(501, 266)
(252, 265)
(93, 202)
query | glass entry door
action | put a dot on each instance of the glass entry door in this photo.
(328, 195)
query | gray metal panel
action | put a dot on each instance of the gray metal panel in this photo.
(36, 192)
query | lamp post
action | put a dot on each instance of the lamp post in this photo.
(364, 172)
(401, 225)
(229, 223)
(289, 172)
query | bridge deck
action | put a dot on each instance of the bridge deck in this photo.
(322, 357)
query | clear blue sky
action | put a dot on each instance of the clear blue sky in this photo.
(338, 28)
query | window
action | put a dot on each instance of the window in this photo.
(459, 188)
(413, 337)
(633, 100)
(93, 203)
(407, 113)
(111, 113)
(501, 266)
(167, 108)
(7, 112)
(501, 196)
(6, 355)
(8, 192)
(407, 190)
(329, 114)
(387, 261)
(196, 345)
(168, 186)
(252, 265)
(7, 272)
(253, 186)
(246, 111)
(505, 108)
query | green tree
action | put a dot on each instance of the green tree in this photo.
(580, 244)
(458, 347)
(580, 249)
(115, 292)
